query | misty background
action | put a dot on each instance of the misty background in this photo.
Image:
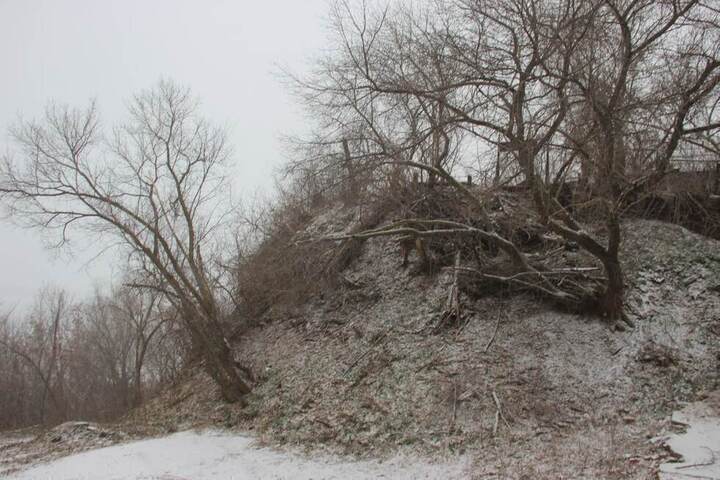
(71, 51)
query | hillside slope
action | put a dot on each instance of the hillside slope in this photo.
(522, 388)
(358, 368)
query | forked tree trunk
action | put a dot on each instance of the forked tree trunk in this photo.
(611, 299)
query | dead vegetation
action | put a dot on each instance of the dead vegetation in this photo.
(559, 104)
(513, 378)
(283, 270)
(22, 448)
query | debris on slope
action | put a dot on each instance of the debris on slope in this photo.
(73, 434)
(14, 450)
(358, 370)
(193, 402)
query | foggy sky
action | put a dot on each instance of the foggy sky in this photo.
(70, 51)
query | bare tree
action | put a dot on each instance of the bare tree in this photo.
(41, 349)
(641, 78)
(549, 83)
(412, 83)
(156, 186)
(91, 360)
(145, 317)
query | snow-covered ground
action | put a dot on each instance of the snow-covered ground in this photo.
(215, 455)
(699, 446)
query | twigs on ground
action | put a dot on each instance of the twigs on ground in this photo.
(367, 352)
(568, 286)
(520, 253)
(453, 312)
(492, 339)
(453, 420)
(498, 414)
(432, 361)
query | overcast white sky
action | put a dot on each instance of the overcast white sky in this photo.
(72, 50)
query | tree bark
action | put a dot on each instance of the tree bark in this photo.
(220, 365)
(207, 337)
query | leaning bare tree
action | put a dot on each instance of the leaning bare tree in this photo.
(156, 185)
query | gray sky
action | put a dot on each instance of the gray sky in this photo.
(72, 50)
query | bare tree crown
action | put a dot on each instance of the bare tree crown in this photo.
(155, 182)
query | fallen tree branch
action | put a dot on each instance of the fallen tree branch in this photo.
(492, 339)
(409, 228)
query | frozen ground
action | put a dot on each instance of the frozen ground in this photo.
(215, 455)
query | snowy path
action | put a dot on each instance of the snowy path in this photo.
(214, 455)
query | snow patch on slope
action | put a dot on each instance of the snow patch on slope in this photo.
(699, 446)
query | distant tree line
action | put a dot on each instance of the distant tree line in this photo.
(94, 360)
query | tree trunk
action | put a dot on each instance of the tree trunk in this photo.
(219, 363)
(221, 367)
(613, 298)
(352, 185)
(137, 382)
